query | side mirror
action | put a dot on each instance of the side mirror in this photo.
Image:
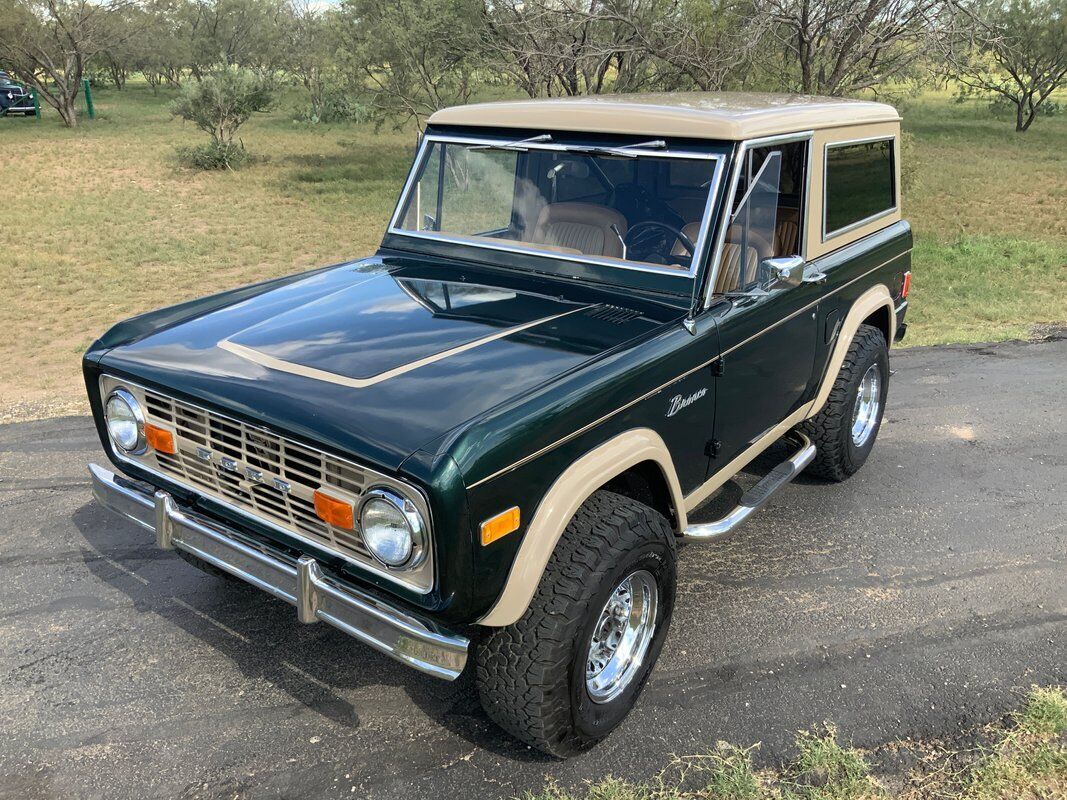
(785, 271)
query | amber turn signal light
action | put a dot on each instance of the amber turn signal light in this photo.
(501, 525)
(159, 439)
(339, 513)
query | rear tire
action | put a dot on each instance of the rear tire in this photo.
(844, 431)
(538, 677)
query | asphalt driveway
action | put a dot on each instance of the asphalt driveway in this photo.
(919, 598)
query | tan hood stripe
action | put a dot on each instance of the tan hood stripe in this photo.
(264, 360)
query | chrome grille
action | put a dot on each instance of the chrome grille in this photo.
(204, 439)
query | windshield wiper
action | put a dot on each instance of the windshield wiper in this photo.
(516, 145)
(593, 150)
(624, 151)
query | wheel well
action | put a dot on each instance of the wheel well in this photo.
(879, 318)
(645, 483)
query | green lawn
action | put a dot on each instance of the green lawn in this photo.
(108, 225)
(989, 210)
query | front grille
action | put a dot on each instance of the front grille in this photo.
(243, 465)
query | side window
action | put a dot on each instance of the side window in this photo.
(859, 183)
(768, 210)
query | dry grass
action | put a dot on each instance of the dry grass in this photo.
(990, 217)
(102, 224)
(1024, 758)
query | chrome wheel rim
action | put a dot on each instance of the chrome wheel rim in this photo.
(621, 637)
(868, 404)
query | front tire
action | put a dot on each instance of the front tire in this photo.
(568, 672)
(844, 431)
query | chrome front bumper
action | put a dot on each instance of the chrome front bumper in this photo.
(300, 582)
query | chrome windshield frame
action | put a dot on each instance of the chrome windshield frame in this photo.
(502, 244)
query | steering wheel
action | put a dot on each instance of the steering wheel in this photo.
(687, 243)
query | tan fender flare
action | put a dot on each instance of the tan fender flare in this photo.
(866, 304)
(562, 501)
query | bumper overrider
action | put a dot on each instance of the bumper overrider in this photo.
(300, 582)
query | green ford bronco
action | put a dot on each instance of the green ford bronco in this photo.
(485, 442)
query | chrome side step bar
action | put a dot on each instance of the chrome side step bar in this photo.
(756, 497)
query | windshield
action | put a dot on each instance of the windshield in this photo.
(635, 206)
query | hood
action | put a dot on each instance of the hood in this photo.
(377, 360)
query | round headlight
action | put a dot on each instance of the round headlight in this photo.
(392, 528)
(125, 422)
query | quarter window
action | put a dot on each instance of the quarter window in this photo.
(859, 183)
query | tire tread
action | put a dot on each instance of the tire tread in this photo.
(832, 460)
(522, 670)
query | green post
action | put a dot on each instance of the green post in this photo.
(36, 105)
(88, 98)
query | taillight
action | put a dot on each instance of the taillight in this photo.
(906, 286)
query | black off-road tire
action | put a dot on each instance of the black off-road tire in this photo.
(203, 566)
(531, 674)
(837, 457)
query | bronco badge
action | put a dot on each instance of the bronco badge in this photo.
(678, 402)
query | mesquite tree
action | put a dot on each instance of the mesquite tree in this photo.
(48, 43)
(1016, 50)
(839, 47)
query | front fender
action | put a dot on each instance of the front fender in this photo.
(564, 497)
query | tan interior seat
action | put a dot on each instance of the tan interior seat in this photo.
(692, 230)
(580, 226)
(730, 277)
(787, 233)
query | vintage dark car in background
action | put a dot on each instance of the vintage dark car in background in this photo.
(14, 97)
(585, 318)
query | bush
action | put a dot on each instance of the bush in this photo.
(1003, 107)
(335, 107)
(213, 156)
(219, 105)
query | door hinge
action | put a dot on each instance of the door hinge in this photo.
(719, 366)
(712, 448)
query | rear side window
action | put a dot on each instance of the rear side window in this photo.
(859, 183)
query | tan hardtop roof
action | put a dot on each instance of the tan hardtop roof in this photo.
(702, 115)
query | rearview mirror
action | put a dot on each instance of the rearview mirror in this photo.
(785, 271)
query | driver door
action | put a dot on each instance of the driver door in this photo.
(766, 317)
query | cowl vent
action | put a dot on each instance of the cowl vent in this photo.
(613, 314)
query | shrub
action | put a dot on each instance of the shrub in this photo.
(219, 105)
(335, 107)
(210, 156)
(1004, 108)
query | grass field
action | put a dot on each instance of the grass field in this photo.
(101, 223)
(1021, 758)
